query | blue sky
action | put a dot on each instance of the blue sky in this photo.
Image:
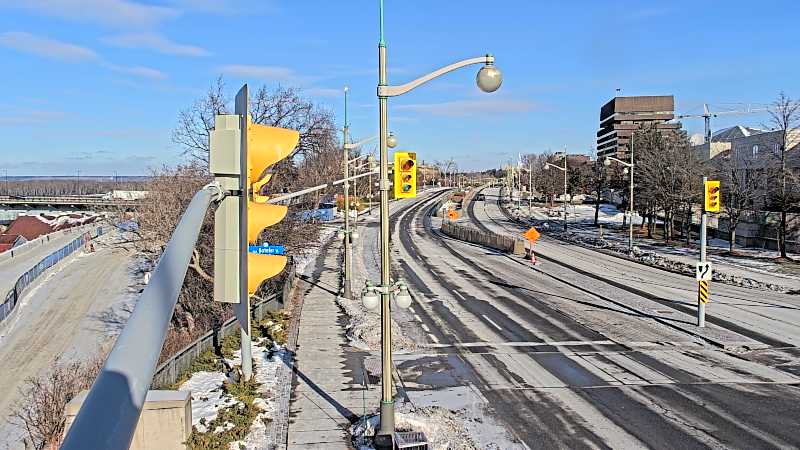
(96, 85)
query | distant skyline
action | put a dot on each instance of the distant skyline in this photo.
(96, 85)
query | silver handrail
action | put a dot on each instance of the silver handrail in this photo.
(110, 413)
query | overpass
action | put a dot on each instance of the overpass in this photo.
(66, 202)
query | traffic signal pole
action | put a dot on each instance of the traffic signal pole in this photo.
(701, 306)
(242, 308)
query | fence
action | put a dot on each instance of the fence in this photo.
(13, 296)
(504, 243)
(170, 370)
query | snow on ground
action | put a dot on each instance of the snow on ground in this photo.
(301, 262)
(752, 269)
(266, 362)
(464, 429)
(208, 397)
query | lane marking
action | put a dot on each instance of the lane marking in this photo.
(433, 338)
(416, 316)
(461, 296)
(520, 344)
(425, 327)
(490, 321)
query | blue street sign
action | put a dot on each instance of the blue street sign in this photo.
(267, 249)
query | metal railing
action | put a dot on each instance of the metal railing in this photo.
(110, 413)
(15, 294)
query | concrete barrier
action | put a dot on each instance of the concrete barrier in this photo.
(165, 423)
(468, 233)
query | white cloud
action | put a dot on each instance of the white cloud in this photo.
(264, 72)
(324, 92)
(113, 13)
(63, 51)
(139, 71)
(30, 117)
(45, 47)
(157, 42)
(462, 108)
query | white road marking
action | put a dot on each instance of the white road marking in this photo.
(460, 296)
(425, 327)
(433, 338)
(416, 316)
(490, 321)
(519, 344)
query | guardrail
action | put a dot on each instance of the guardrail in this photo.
(65, 200)
(15, 294)
(111, 410)
(170, 370)
(502, 242)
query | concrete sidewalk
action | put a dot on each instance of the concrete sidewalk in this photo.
(327, 392)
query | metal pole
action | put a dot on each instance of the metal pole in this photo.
(387, 399)
(701, 307)
(346, 163)
(109, 415)
(565, 189)
(530, 187)
(242, 309)
(630, 225)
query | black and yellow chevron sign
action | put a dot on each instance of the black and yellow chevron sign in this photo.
(702, 291)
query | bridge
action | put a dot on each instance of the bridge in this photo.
(68, 201)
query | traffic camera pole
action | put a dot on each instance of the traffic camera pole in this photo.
(701, 307)
(346, 162)
(387, 399)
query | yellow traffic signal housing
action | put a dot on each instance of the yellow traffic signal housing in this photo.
(266, 146)
(405, 174)
(712, 195)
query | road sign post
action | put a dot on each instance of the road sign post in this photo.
(711, 203)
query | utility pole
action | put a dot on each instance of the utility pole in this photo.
(630, 203)
(530, 186)
(346, 163)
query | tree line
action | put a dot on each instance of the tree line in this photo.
(668, 177)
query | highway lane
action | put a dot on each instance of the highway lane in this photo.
(12, 268)
(564, 368)
(63, 314)
(753, 319)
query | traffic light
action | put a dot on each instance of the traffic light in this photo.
(405, 174)
(243, 218)
(266, 146)
(712, 195)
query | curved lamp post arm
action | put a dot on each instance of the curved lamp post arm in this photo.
(557, 167)
(361, 142)
(620, 161)
(394, 91)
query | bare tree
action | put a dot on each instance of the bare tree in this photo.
(196, 122)
(741, 180)
(43, 399)
(784, 117)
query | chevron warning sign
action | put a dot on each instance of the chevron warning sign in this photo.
(702, 291)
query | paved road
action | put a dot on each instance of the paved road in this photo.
(12, 268)
(61, 314)
(564, 360)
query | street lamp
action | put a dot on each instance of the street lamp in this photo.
(628, 169)
(488, 79)
(349, 234)
(547, 165)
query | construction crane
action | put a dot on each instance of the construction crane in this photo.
(707, 115)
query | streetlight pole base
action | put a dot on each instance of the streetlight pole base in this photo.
(348, 292)
(387, 418)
